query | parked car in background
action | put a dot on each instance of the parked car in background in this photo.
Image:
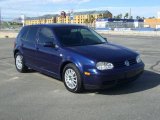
(75, 54)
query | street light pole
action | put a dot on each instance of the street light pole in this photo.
(23, 19)
(130, 13)
(0, 19)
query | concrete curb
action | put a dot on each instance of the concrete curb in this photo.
(133, 33)
(10, 34)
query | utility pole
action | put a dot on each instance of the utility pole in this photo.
(130, 12)
(23, 19)
(72, 16)
(0, 19)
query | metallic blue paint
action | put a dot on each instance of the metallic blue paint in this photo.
(52, 60)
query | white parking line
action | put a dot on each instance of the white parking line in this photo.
(13, 78)
(91, 94)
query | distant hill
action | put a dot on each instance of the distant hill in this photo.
(75, 13)
(17, 20)
(44, 16)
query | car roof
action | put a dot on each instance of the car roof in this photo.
(56, 25)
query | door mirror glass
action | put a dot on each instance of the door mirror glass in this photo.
(105, 39)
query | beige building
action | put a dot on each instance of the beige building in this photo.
(40, 20)
(79, 18)
(153, 22)
(84, 17)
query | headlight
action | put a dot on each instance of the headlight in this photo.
(138, 59)
(104, 66)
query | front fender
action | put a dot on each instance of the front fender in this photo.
(75, 61)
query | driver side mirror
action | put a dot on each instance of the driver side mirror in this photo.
(49, 44)
(105, 38)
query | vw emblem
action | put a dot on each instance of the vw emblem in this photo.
(126, 63)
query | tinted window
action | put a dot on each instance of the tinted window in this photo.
(23, 33)
(88, 35)
(78, 36)
(31, 36)
(45, 35)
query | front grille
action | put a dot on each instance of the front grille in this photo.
(122, 63)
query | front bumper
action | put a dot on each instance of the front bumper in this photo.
(110, 78)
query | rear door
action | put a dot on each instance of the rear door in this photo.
(29, 46)
(48, 58)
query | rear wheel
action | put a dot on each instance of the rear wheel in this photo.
(19, 63)
(72, 78)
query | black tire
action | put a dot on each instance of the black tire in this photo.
(23, 68)
(79, 85)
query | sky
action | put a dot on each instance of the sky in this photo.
(15, 8)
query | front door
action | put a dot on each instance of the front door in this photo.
(48, 58)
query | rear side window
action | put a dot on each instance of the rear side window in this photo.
(45, 35)
(31, 35)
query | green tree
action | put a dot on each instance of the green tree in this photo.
(126, 16)
(143, 18)
(100, 16)
(138, 17)
(86, 21)
(91, 18)
(151, 17)
(131, 17)
(119, 16)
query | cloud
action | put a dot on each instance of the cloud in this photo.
(70, 1)
(45, 1)
(14, 8)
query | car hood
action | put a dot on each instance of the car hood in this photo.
(104, 52)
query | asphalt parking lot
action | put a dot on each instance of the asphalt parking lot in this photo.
(33, 96)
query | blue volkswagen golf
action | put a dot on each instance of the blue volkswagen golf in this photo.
(75, 54)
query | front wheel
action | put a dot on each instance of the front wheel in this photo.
(19, 63)
(72, 78)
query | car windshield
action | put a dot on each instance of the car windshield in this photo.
(78, 36)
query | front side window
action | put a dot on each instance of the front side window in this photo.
(23, 34)
(78, 36)
(45, 35)
(31, 35)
